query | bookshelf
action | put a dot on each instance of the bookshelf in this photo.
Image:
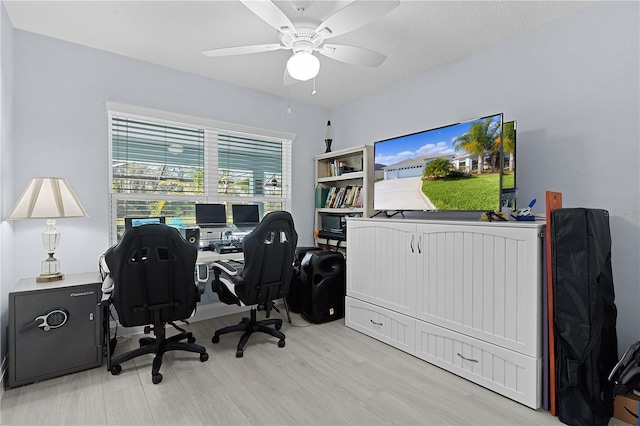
(343, 187)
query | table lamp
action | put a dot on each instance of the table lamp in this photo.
(48, 198)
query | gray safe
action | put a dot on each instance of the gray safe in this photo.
(54, 328)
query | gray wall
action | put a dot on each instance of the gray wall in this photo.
(60, 129)
(573, 87)
(6, 171)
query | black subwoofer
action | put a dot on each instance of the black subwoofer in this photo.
(323, 286)
(294, 298)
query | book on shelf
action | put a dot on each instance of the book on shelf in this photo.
(338, 168)
(321, 196)
(342, 197)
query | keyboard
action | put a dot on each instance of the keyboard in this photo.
(230, 246)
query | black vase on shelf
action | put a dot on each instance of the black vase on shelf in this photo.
(327, 142)
(328, 137)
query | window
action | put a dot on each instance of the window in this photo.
(161, 164)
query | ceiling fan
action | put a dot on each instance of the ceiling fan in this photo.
(303, 41)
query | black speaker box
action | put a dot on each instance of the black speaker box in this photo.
(192, 236)
(294, 298)
(323, 289)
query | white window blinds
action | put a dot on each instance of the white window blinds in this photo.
(155, 158)
(161, 167)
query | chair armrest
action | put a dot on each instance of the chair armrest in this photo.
(224, 267)
(202, 276)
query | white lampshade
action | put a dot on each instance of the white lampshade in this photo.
(303, 66)
(47, 198)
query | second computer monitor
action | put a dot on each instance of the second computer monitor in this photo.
(211, 215)
(245, 215)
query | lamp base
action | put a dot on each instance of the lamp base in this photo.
(47, 278)
(327, 143)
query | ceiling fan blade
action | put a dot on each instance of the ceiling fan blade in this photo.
(270, 13)
(352, 55)
(354, 15)
(242, 50)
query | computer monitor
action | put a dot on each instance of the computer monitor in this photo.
(245, 215)
(130, 222)
(211, 215)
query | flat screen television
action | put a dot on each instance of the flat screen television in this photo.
(130, 222)
(457, 167)
(211, 215)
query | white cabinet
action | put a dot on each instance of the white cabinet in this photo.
(470, 291)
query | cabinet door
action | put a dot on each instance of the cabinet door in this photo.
(483, 281)
(381, 264)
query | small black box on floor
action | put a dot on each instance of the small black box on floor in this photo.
(322, 275)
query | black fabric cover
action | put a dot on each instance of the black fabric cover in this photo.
(153, 274)
(584, 315)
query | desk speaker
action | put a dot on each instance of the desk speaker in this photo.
(323, 289)
(192, 236)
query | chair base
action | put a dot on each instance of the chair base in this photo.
(157, 345)
(250, 325)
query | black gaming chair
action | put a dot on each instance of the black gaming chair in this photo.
(264, 277)
(152, 268)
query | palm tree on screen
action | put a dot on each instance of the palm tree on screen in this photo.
(508, 143)
(478, 140)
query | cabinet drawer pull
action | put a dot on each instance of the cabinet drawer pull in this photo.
(375, 323)
(419, 244)
(467, 359)
(412, 251)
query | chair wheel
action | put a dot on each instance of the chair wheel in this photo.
(156, 378)
(204, 357)
(278, 326)
(281, 343)
(116, 369)
(215, 339)
(191, 339)
(239, 353)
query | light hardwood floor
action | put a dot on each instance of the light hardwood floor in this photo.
(326, 374)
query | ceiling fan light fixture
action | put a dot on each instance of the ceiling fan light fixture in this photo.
(303, 66)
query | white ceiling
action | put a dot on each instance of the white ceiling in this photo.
(416, 36)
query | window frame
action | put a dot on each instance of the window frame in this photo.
(211, 129)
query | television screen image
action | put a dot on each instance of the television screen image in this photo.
(130, 222)
(211, 215)
(509, 188)
(455, 167)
